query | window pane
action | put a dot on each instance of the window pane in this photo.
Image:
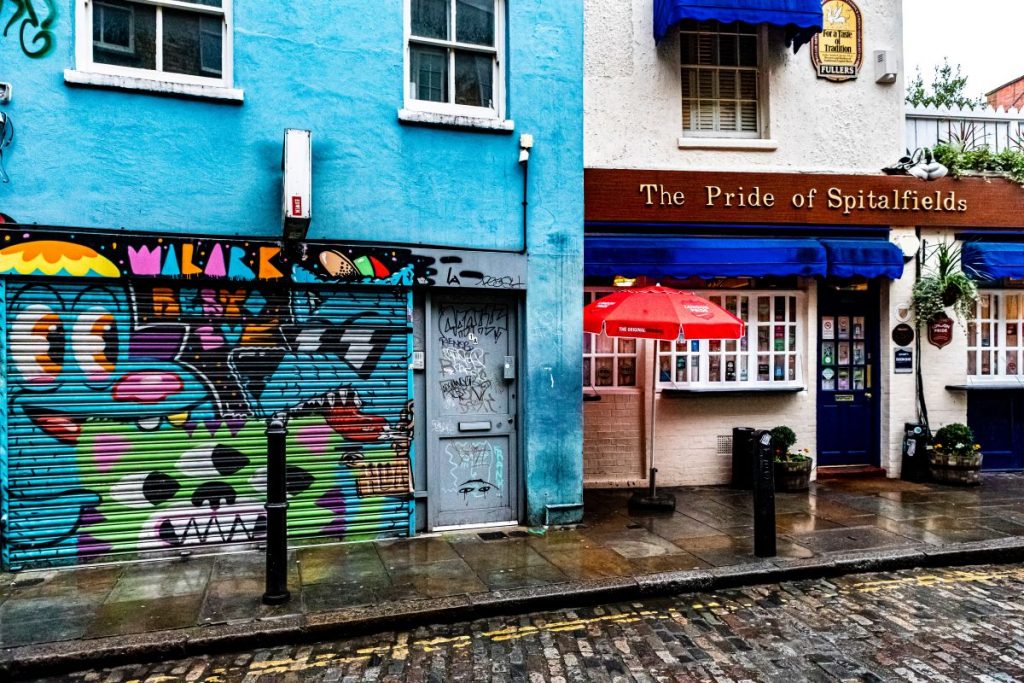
(474, 21)
(474, 75)
(124, 34)
(193, 43)
(430, 19)
(429, 73)
(627, 372)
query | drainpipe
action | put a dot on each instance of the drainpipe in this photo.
(277, 514)
(922, 406)
(525, 145)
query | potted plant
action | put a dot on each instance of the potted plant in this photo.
(792, 468)
(944, 285)
(954, 457)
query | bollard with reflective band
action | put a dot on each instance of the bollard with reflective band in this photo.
(277, 515)
(764, 495)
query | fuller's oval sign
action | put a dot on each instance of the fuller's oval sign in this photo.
(838, 51)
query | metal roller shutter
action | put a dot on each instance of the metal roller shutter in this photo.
(136, 416)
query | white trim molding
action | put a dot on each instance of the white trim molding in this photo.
(744, 144)
(150, 85)
(427, 118)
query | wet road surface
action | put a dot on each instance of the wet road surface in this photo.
(924, 625)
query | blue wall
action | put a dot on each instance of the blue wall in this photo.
(118, 159)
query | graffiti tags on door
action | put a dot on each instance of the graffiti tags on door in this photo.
(468, 338)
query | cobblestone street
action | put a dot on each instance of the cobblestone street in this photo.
(922, 625)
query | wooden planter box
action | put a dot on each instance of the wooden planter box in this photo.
(793, 476)
(949, 468)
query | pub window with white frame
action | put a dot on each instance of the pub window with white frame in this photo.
(769, 356)
(722, 84)
(995, 335)
(607, 361)
(454, 57)
(177, 41)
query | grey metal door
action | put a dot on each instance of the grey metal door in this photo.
(471, 376)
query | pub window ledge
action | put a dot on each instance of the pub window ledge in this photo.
(1005, 385)
(680, 393)
(431, 119)
(213, 93)
(740, 144)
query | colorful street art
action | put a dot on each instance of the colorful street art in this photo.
(33, 28)
(51, 252)
(137, 410)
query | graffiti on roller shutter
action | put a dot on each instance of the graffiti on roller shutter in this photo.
(107, 374)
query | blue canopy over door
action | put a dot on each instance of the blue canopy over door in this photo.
(864, 258)
(993, 260)
(684, 257)
(801, 18)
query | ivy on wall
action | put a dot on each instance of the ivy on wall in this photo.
(32, 28)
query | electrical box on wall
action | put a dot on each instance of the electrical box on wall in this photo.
(297, 165)
(886, 66)
(6, 90)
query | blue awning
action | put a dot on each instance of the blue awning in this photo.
(992, 260)
(683, 257)
(864, 258)
(710, 257)
(801, 18)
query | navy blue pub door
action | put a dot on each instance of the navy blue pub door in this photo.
(848, 409)
(997, 419)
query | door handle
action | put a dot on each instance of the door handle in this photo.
(868, 394)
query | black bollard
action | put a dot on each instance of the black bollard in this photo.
(277, 515)
(764, 495)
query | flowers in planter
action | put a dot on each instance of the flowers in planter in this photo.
(783, 440)
(956, 440)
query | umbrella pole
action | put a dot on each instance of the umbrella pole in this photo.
(653, 501)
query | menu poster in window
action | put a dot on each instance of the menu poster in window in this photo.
(858, 327)
(828, 353)
(844, 353)
(858, 379)
(843, 383)
(828, 327)
(858, 353)
(828, 379)
(780, 338)
(844, 327)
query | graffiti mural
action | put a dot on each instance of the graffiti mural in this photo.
(34, 27)
(112, 255)
(137, 410)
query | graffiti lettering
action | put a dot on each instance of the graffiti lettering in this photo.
(501, 282)
(483, 321)
(35, 34)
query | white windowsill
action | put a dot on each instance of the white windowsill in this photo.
(426, 118)
(744, 144)
(149, 85)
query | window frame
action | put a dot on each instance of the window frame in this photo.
(85, 62)
(450, 108)
(998, 348)
(704, 354)
(763, 130)
(590, 294)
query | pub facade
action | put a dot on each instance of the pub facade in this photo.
(751, 173)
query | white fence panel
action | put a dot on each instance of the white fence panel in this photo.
(995, 128)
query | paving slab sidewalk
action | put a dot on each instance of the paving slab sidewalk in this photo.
(63, 619)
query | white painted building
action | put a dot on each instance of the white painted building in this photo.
(715, 106)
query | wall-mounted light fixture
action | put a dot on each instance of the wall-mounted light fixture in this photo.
(297, 183)
(6, 92)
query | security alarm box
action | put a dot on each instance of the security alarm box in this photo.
(886, 66)
(297, 165)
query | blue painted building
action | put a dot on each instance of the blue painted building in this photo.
(421, 334)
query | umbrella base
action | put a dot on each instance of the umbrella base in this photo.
(643, 501)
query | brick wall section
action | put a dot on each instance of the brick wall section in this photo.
(613, 438)
(1009, 96)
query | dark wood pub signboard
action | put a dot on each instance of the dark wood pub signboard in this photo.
(623, 196)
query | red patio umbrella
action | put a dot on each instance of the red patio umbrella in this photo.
(659, 313)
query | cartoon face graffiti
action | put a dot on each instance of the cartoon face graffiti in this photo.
(200, 491)
(79, 358)
(473, 468)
